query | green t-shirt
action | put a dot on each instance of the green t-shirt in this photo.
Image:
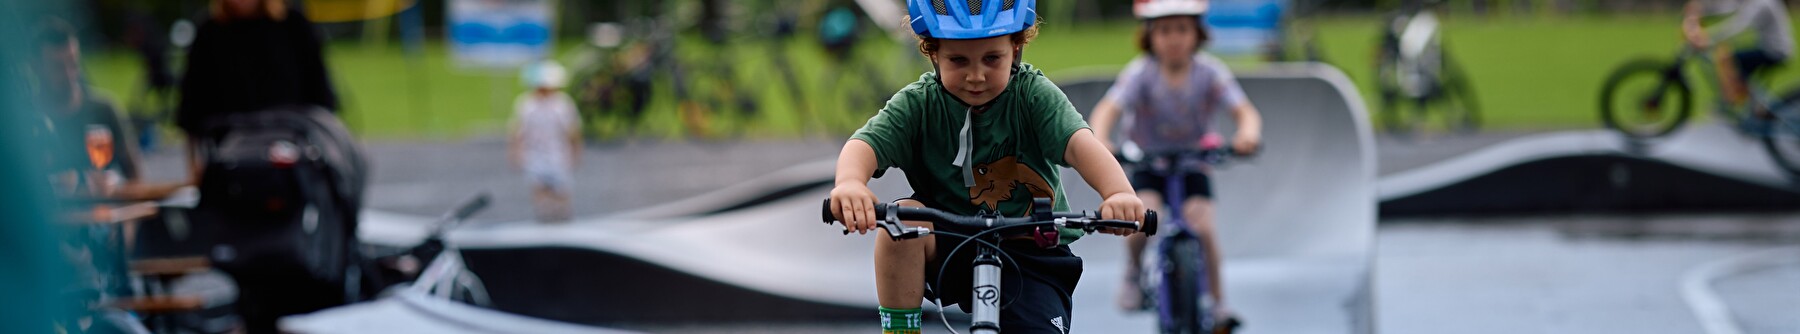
(1016, 145)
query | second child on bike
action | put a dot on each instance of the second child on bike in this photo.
(1174, 90)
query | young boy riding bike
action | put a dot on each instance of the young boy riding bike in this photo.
(1174, 91)
(982, 133)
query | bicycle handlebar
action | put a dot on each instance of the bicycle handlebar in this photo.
(890, 215)
(1212, 156)
(462, 211)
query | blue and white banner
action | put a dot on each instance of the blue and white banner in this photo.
(499, 34)
(1240, 27)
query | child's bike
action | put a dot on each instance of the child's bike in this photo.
(1042, 226)
(1649, 98)
(1178, 281)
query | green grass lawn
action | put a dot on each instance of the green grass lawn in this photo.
(386, 93)
(1529, 73)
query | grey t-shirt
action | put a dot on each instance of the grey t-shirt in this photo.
(1169, 117)
(1770, 20)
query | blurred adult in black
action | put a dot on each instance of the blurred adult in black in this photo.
(252, 55)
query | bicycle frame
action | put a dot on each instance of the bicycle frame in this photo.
(1710, 72)
(446, 275)
(1174, 193)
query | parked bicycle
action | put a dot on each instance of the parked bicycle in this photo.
(1418, 78)
(621, 77)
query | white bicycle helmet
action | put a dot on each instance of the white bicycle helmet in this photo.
(546, 74)
(1150, 9)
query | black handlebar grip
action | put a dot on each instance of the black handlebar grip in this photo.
(881, 210)
(1149, 223)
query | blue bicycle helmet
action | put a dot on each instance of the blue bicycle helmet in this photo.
(970, 19)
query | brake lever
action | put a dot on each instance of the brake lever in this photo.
(898, 231)
(895, 230)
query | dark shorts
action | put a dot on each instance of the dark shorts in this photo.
(1196, 184)
(1036, 293)
(1751, 61)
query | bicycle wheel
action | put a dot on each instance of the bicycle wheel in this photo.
(1783, 139)
(1179, 301)
(714, 109)
(1394, 120)
(1464, 112)
(1645, 99)
(597, 99)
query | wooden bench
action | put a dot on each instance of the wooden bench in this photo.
(171, 267)
(160, 271)
(161, 304)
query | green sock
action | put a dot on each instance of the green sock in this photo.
(901, 321)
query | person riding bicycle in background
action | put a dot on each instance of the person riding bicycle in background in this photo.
(1774, 40)
(1174, 90)
(983, 133)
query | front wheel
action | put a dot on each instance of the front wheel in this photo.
(1464, 113)
(1645, 99)
(1183, 287)
(1783, 137)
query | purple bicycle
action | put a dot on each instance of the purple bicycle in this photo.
(1177, 284)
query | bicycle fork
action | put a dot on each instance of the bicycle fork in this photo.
(986, 298)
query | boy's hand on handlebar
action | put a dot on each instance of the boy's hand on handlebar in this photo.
(1246, 143)
(1122, 206)
(854, 205)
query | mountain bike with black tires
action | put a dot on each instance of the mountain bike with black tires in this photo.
(1649, 98)
(987, 297)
